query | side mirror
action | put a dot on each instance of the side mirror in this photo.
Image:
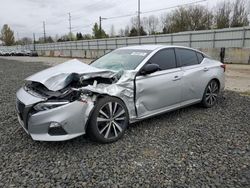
(149, 68)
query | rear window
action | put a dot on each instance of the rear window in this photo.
(186, 57)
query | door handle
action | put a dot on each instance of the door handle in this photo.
(176, 78)
(205, 69)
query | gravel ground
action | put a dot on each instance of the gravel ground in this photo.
(50, 61)
(192, 147)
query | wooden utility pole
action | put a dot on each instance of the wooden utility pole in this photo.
(139, 17)
(44, 32)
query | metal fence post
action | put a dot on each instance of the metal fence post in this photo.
(171, 39)
(155, 39)
(190, 40)
(71, 47)
(115, 43)
(97, 44)
(214, 39)
(243, 37)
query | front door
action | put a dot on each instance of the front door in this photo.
(161, 90)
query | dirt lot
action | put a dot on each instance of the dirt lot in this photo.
(238, 78)
(191, 147)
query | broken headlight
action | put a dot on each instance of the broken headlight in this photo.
(49, 105)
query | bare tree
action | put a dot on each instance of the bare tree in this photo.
(151, 23)
(199, 18)
(121, 33)
(134, 22)
(186, 19)
(240, 14)
(222, 15)
(166, 21)
(126, 32)
(25, 40)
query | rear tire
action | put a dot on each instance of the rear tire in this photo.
(210, 94)
(108, 121)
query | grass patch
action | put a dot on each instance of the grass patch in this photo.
(245, 93)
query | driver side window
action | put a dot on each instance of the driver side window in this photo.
(165, 59)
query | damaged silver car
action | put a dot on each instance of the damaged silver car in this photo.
(124, 86)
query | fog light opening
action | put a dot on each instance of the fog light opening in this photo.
(54, 125)
(56, 129)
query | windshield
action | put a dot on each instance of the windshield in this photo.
(121, 59)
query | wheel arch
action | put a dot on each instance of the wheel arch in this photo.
(217, 80)
(98, 97)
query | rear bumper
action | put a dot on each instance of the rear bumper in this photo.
(70, 118)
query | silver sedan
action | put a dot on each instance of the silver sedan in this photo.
(124, 86)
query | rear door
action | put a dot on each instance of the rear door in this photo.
(160, 90)
(194, 74)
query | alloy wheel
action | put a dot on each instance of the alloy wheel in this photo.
(111, 120)
(212, 93)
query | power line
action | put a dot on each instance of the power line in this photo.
(157, 10)
(145, 12)
(122, 16)
(138, 13)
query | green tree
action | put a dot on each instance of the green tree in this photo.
(142, 31)
(79, 36)
(98, 32)
(49, 39)
(7, 35)
(63, 38)
(134, 32)
(190, 18)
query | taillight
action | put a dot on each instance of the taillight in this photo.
(224, 67)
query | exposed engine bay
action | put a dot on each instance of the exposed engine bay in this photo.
(74, 80)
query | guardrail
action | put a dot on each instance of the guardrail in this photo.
(230, 37)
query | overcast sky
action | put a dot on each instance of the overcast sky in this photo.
(27, 16)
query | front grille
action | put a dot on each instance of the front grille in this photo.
(23, 112)
(20, 108)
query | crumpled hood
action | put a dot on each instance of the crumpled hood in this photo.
(58, 77)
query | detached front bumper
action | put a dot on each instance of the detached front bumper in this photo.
(57, 124)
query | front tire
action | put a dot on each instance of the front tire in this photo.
(211, 94)
(108, 121)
